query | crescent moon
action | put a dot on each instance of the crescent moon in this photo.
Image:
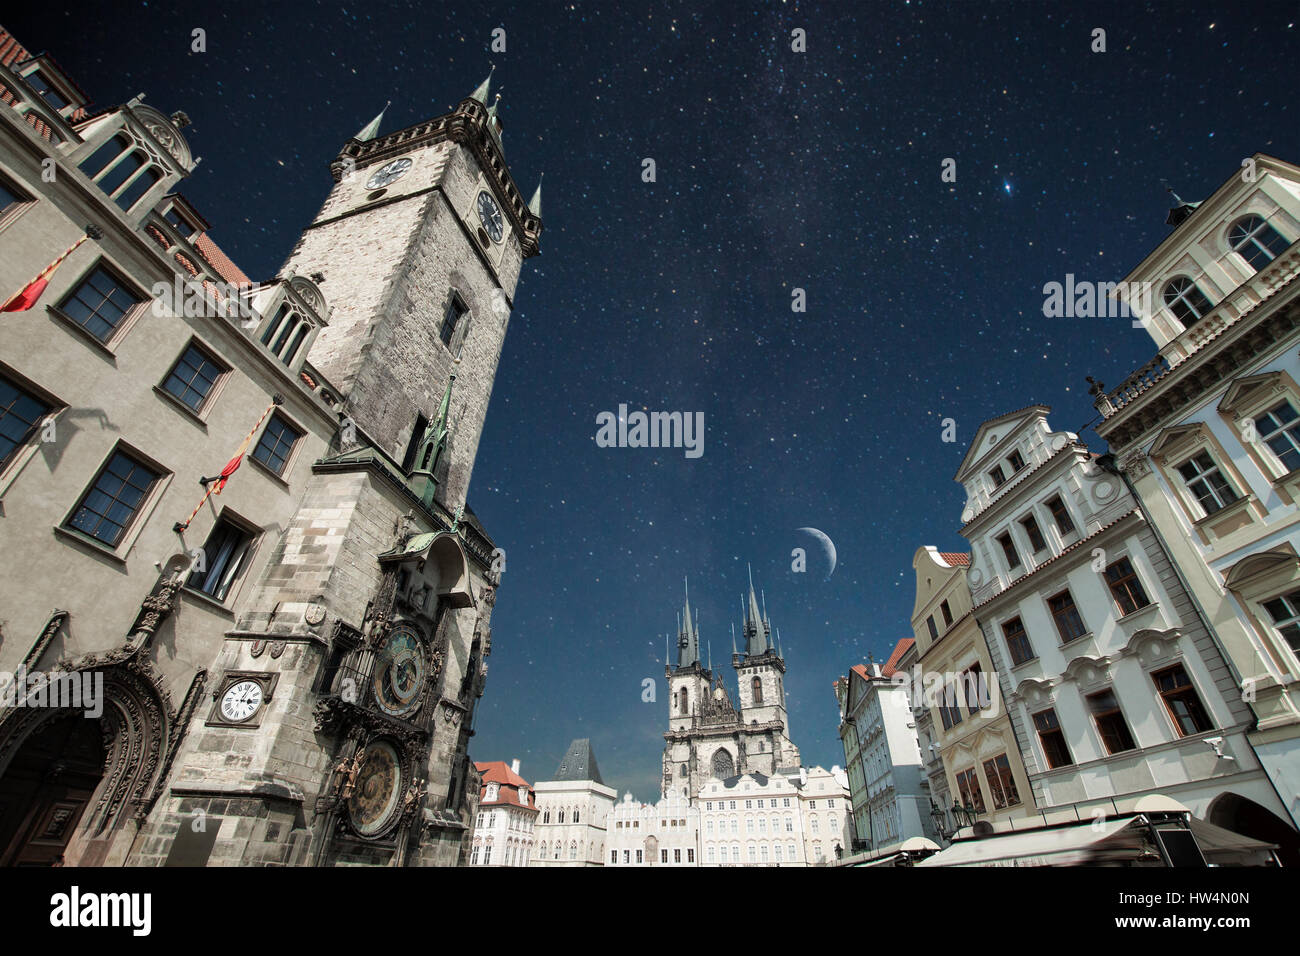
(827, 545)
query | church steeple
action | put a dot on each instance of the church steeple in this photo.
(757, 628)
(371, 129)
(688, 637)
(481, 94)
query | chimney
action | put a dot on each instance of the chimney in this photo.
(514, 766)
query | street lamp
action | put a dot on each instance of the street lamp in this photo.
(964, 816)
(940, 820)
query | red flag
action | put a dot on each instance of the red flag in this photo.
(27, 298)
(232, 466)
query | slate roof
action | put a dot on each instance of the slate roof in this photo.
(579, 763)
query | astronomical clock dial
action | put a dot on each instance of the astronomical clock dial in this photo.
(490, 216)
(378, 789)
(399, 672)
(241, 700)
(388, 173)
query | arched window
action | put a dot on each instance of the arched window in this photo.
(757, 685)
(546, 817)
(561, 816)
(575, 816)
(573, 851)
(683, 701)
(723, 766)
(101, 158)
(1256, 241)
(1186, 301)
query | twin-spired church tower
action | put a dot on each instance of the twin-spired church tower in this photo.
(709, 736)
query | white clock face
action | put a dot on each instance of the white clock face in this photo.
(490, 216)
(388, 173)
(241, 700)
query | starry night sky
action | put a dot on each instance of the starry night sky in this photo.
(776, 170)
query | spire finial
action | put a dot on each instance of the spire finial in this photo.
(481, 94)
(535, 204)
(371, 129)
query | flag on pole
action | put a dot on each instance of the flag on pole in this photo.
(30, 294)
(213, 486)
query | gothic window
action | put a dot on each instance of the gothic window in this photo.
(413, 446)
(456, 310)
(575, 816)
(1186, 301)
(683, 701)
(1256, 241)
(546, 818)
(561, 816)
(757, 685)
(723, 766)
(121, 171)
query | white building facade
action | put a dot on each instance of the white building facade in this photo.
(666, 833)
(1113, 684)
(573, 811)
(506, 819)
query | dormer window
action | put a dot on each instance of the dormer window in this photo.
(1015, 460)
(121, 171)
(997, 477)
(1186, 301)
(40, 83)
(285, 333)
(180, 223)
(1256, 241)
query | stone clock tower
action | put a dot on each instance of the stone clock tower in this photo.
(344, 694)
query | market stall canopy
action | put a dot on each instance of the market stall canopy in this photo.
(1087, 842)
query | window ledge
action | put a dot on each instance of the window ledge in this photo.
(1241, 504)
(1076, 640)
(94, 544)
(207, 600)
(1133, 615)
(267, 471)
(1025, 663)
(71, 323)
(180, 406)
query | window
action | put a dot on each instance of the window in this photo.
(276, 444)
(977, 694)
(934, 631)
(1053, 740)
(638, 856)
(575, 815)
(1009, 551)
(1125, 586)
(969, 788)
(949, 712)
(1285, 612)
(756, 686)
(1256, 241)
(663, 856)
(1017, 641)
(115, 499)
(1002, 783)
(99, 303)
(712, 855)
(1015, 461)
(1186, 301)
(193, 377)
(1034, 533)
(1182, 700)
(1110, 722)
(1068, 622)
(456, 309)
(997, 477)
(946, 611)
(677, 856)
(1206, 482)
(1279, 428)
(753, 857)
(690, 855)
(627, 856)
(1060, 514)
(224, 555)
(9, 197)
(45, 90)
(103, 157)
(21, 413)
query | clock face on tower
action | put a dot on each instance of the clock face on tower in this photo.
(241, 700)
(378, 787)
(388, 173)
(490, 216)
(399, 671)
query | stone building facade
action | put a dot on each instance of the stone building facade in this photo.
(666, 833)
(308, 699)
(574, 808)
(708, 736)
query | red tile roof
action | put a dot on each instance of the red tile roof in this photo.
(499, 772)
(891, 665)
(219, 261)
(955, 559)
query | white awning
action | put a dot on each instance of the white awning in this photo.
(1086, 842)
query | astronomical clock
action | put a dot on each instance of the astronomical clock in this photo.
(383, 695)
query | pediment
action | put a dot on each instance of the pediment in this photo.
(996, 433)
